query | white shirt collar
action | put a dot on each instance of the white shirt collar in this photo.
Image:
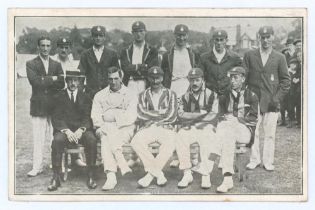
(137, 46)
(98, 49)
(266, 52)
(75, 92)
(43, 59)
(122, 90)
(219, 56)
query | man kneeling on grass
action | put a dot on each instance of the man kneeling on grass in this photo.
(239, 111)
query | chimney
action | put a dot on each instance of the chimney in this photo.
(238, 36)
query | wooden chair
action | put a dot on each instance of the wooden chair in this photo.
(241, 159)
(77, 149)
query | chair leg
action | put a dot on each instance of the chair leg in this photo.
(65, 175)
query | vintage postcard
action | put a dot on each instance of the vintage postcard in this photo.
(158, 104)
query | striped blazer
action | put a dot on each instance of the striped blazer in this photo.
(164, 114)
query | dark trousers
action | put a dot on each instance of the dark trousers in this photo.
(60, 141)
(295, 107)
(284, 106)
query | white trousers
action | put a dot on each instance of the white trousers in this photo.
(137, 85)
(207, 141)
(140, 142)
(268, 121)
(111, 146)
(42, 132)
(228, 133)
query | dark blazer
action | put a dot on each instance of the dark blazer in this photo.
(270, 82)
(149, 57)
(43, 86)
(250, 118)
(97, 72)
(71, 115)
(167, 64)
(215, 73)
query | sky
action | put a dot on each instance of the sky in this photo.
(249, 25)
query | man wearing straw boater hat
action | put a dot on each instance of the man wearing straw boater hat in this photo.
(72, 125)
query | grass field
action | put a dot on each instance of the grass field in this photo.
(286, 179)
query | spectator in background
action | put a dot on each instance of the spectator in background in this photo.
(137, 59)
(284, 104)
(294, 95)
(44, 75)
(94, 62)
(270, 87)
(298, 45)
(217, 62)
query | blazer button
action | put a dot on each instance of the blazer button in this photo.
(46, 91)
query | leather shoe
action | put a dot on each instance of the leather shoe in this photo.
(91, 183)
(54, 184)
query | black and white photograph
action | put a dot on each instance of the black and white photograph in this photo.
(158, 104)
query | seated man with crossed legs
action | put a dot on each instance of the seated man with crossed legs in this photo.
(198, 108)
(239, 112)
(157, 112)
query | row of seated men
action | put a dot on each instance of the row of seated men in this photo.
(157, 110)
(215, 123)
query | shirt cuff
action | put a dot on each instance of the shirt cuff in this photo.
(83, 129)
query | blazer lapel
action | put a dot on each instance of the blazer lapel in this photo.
(258, 58)
(50, 67)
(92, 55)
(40, 66)
(170, 60)
(191, 57)
(129, 52)
(146, 52)
(270, 59)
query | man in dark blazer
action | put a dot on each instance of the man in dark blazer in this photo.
(44, 75)
(217, 62)
(137, 59)
(178, 61)
(268, 77)
(72, 125)
(95, 62)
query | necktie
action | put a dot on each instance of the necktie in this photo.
(72, 97)
(235, 104)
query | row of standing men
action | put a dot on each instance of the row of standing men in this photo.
(266, 76)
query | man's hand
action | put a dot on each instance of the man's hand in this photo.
(78, 133)
(295, 80)
(99, 132)
(71, 136)
(54, 78)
